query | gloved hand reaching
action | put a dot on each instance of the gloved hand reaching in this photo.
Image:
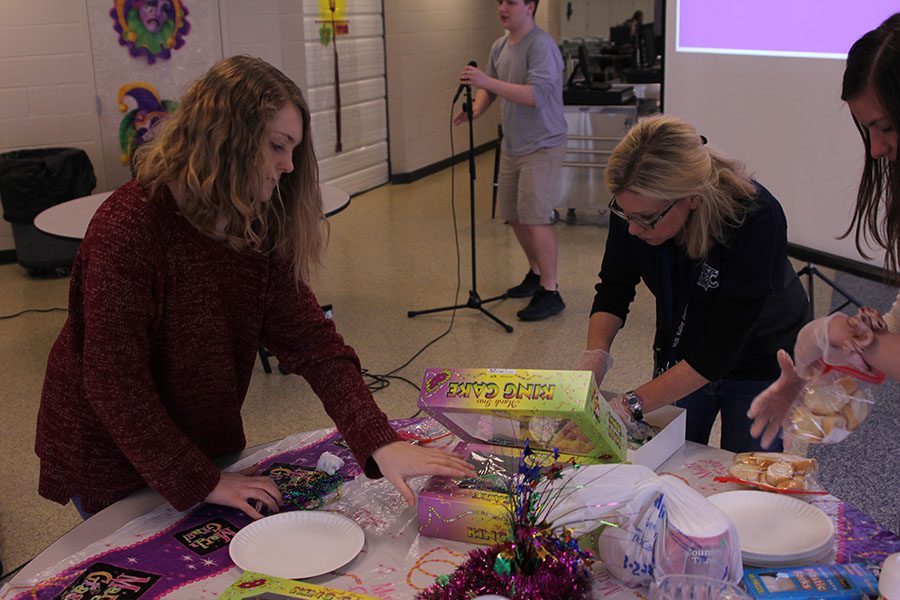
(838, 340)
(599, 362)
(769, 409)
(637, 430)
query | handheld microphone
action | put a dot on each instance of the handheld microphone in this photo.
(463, 86)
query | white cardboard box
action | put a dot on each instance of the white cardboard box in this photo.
(671, 422)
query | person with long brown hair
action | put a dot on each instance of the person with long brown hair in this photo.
(183, 272)
(871, 89)
(710, 243)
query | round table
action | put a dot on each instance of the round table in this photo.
(70, 219)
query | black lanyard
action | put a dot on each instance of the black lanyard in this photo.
(666, 291)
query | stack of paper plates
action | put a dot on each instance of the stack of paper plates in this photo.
(777, 530)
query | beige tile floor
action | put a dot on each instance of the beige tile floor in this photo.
(392, 250)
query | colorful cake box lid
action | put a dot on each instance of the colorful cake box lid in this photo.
(259, 586)
(554, 409)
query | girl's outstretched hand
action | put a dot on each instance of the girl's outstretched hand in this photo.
(399, 461)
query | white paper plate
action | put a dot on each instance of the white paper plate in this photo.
(297, 544)
(772, 527)
(826, 556)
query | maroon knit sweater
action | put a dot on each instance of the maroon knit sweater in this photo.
(146, 380)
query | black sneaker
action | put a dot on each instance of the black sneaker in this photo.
(528, 287)
(543, 304)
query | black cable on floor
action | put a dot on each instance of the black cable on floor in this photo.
(11, 574)
(28, 310)
(379, 382)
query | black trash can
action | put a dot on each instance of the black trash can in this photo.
(35, 179)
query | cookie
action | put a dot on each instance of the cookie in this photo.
(801, 465)
(778, 472)
(745, 458)
(794, 483)
(746, 472)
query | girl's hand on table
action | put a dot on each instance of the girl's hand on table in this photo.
(399, 461)
(237, 490)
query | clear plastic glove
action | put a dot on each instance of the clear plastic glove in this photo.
(770, 408)
(637, 430)
(599, 362)
(838, 340)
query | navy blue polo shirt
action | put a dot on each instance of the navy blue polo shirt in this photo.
(726, 314)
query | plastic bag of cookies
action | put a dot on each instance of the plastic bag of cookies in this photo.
(832, 405)
(774, 472)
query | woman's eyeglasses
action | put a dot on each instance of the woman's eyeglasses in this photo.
(641, 221)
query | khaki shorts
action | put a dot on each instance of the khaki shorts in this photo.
(528, 186)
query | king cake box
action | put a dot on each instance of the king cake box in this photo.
(258, 586)
(476, 509)
(554, 410)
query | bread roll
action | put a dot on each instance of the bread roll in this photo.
(826, 400)
(854, 412)
(849, 385)
(830, 423)
(804, 466)
(807, 425)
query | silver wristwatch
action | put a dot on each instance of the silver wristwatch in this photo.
(635, 405)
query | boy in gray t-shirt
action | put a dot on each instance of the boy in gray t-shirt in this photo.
(525, 71)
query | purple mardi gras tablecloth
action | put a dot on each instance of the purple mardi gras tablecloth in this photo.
(185, 555)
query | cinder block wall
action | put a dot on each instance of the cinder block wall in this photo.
(46, 82)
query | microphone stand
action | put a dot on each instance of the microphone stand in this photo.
(475, 301)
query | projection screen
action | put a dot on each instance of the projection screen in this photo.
(762, 81)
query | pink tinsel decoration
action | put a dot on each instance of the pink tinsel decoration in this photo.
(539, 564)
(563, 576)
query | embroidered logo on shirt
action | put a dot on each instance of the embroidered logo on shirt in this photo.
(707, 279)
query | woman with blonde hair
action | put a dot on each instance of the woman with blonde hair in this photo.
(711, 245)
(183, 272)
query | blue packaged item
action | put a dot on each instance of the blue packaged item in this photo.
(851, 581)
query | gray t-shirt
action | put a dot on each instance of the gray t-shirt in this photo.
(536, 61)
